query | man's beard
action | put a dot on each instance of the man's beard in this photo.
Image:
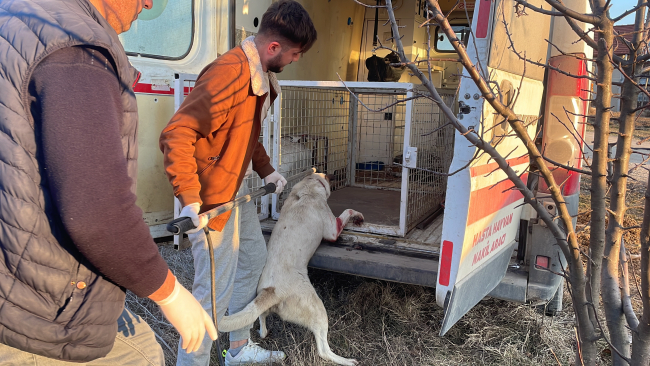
(275, 64)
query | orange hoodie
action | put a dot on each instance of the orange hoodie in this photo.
(212, 138)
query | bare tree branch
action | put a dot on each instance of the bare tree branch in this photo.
(585, 18)
(567, 167)
(632, 320)
(545, 65)
(538, 9)
(369, 6)
(633, 10)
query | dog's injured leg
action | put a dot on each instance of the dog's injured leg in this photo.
(337, 224)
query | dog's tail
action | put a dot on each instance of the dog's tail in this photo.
(263, 302)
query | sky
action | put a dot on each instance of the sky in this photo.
(619, 7)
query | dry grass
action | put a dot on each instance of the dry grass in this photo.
(384, 323)
(641, 131)
(635, 201)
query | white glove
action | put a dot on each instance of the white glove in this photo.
(192, 211)
(188, 317)
(278, 179)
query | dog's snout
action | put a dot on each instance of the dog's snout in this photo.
(330, 177)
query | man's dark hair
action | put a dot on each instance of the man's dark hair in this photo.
(288, 20)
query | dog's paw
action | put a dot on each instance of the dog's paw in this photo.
(356, 218)
(350, 362)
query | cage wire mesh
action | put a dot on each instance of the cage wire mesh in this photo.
(315, 131)
(379, 141)
(435, 144)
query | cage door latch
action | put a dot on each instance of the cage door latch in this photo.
(411, 157)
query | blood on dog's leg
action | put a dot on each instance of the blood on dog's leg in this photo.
(263, 331)
(336, 227)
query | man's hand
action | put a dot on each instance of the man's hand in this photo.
(192, 211)
(278, 179)
(188, 317)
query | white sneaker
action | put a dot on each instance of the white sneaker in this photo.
(252, 354)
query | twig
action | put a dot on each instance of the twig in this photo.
(628, 310)
(611, 346)
(564, 275)
(574, 135)
(566, 166)
(582, 362)
(383, 108)
(436, 130)
(537, 9)
(634, 9)
(638, 165)
(369, 6)
(567, 12)
(558, 361)
(546, 65)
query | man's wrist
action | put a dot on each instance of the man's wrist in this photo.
(188, 197)
(166, 289)
(265, 170)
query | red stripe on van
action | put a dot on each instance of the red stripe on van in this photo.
(488, 200)
(148, 89)
(487, 168)
(445, 262)
(483, 22)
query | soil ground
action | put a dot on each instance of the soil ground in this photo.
(384, 323)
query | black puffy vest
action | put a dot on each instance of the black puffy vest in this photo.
(42, 308)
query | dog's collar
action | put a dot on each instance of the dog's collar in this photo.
(321, 183)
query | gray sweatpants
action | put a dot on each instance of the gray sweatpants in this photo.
(239, 256)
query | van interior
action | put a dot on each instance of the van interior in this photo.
(359, 139)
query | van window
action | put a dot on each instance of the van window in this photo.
(442, 43)
(165, 31)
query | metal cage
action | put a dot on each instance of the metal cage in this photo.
(371, 137)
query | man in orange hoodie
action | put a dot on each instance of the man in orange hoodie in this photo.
(210, 146)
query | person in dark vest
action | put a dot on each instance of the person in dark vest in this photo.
(71, 236)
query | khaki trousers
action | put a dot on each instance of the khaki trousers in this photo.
(135, 345)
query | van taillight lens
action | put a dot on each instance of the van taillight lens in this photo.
(563, 102)
(542, 261)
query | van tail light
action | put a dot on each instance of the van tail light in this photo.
(564, 121)
(445, 262)
(542, 261)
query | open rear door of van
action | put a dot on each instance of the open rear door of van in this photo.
(482, 212)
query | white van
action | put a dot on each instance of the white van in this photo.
(467, 234)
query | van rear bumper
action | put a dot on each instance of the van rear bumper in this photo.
(396, 263)
(420, 270)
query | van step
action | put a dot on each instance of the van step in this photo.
(375, 264)
(378, 243)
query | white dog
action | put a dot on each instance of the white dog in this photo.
(284, 287)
